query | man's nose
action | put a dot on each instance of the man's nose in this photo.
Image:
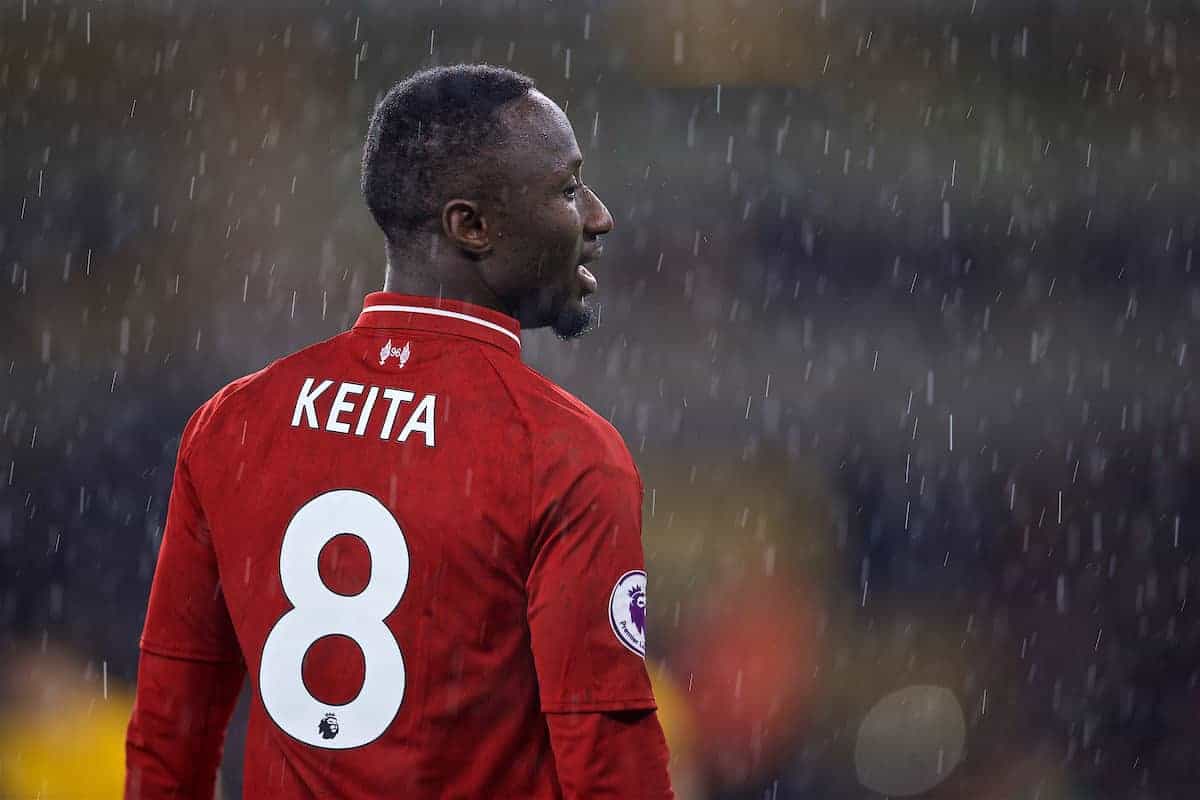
(598, 219)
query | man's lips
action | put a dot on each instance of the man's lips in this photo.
(585, 275)
(587, 278)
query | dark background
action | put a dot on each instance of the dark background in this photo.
(896, 320)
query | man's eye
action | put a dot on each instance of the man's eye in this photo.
(571, 190)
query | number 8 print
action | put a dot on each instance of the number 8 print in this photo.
(318, 611)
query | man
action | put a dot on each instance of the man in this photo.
(425, 555)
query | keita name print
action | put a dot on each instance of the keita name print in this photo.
(360, 410)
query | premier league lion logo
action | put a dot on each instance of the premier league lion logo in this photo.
(328, 726)
(627, 611)
(637, 608)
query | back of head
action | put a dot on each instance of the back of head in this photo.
(428, 138)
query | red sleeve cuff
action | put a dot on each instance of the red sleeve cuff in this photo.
(189, 655)
(606, 755)
(645, 703)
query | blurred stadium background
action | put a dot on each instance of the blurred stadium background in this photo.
(896, 320)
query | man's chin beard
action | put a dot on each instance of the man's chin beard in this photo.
(574, 321)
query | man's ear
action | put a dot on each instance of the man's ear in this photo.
(465, 226)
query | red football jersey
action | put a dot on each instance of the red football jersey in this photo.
(417, 545)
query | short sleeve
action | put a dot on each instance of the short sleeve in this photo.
(187, 617)
(587, 596)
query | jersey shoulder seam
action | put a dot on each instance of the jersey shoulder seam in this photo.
(528, 435)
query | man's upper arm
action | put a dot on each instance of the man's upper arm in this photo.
(186, 616)
(190, 670)
(587, 593)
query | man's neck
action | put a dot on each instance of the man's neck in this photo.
(406, 276)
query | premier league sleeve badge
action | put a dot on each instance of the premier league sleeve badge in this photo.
(627, 611)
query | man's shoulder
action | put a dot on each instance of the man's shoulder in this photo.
(241, 396)
(565, 431)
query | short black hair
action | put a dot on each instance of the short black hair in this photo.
(425, 139)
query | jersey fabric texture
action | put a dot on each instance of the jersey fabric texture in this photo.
(414, 546)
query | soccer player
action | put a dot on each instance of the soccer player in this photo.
(425, 555)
